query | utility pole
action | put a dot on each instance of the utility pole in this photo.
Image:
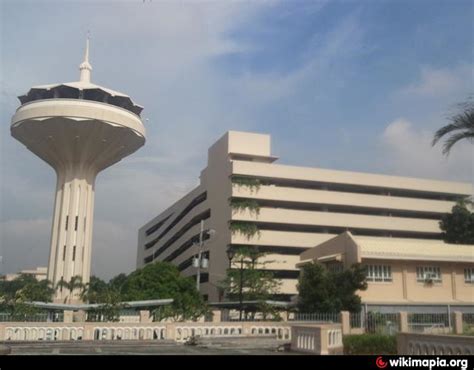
(198, 275)
(241, 295)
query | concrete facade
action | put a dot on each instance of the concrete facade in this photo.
(80, 129)
(40, 273)
(299, 208)
(397, 265)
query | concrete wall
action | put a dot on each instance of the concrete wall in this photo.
(448, 291)
(434, 344)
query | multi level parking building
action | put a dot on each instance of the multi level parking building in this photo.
(251, 200)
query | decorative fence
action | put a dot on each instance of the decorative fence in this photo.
(319, 317)
(435, 344)
(179, 332)
(319, 339)
(430, 323)
(37, 317)
(468, 323)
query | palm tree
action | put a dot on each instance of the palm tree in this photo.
(71, 285)
(461, 126)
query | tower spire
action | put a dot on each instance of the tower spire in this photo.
(85, 68)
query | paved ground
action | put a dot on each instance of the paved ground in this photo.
(142, 348)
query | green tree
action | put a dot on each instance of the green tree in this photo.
(108, 294)
(322, 290)
(74, 284)
(162, 280)
(15, 294)
(248, 280)
(458, 226)
(117, 283)
(460, 127)
(95, 290)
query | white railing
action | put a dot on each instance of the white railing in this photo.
(434, 344)
(334, 338)
(43, 333)
(182, 332)
(179, 332)
(129, 333)
(319, 339)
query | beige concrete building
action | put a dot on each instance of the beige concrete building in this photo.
(403, 272)
(293, 208)
(39, 273)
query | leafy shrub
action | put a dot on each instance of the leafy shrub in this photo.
(370, 344)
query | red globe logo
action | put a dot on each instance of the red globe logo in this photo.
(381, 364)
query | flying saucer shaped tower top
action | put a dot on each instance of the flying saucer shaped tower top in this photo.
(79, 128)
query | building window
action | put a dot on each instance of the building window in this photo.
(379, 273)
(67, 221)
(77, 221)
(64, 253)
(74, 253)
(335, 267)
(469, 275)
(428, 274)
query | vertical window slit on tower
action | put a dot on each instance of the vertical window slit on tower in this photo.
(64, 253)
(67, 221)
(77, 221)
(74, 253)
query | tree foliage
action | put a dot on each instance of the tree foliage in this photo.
(249, 277)
(162, 280)
(458, 226)
(322, 290)
(238, 204)
(460, 127)
(248, 229)
(73, 285)
(25, 288)
(249, 182)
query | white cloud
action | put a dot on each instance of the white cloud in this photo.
(324, 51)
(441, 82)
(407, 150)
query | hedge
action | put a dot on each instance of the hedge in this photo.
(370, 344)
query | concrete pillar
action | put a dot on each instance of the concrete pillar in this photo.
(145, 316)
(68, 316)
(216, 316)
(322, 333)
(403, 322)
(345, 322)
(170, 331)
(88, 332)
(457, 323)
(79, 316)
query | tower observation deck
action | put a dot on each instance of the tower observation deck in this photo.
(80, 129)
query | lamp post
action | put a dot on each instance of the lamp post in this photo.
(231, 255)
(200, 262)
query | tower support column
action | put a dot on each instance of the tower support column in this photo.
(71, 235)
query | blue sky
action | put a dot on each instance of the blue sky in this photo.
(352, 85)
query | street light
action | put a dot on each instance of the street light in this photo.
(200, 262)
(231, 255)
